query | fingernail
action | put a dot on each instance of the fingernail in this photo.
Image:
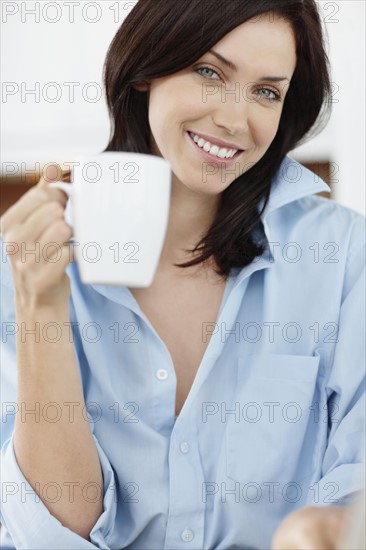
(52, 172)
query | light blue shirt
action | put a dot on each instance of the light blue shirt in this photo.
(274, 420)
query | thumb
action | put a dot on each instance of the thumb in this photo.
(51, 172)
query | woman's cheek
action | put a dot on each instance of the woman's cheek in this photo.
(266, 131)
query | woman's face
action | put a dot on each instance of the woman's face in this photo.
(242, 106)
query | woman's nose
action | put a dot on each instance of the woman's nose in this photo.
(232, 114)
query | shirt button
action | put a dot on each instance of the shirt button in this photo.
(184, 447)
(161, 374)
(187, 535)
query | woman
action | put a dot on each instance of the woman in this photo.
(233, 402)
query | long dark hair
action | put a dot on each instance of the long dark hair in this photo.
(161, 37)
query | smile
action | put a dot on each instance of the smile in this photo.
(213, 153)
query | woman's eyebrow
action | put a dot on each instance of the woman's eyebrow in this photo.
(233, 67)
(273, 78)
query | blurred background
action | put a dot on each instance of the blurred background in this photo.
(53, 106)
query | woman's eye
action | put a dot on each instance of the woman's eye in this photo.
(206, 69)
(265, 93)
(269, 94)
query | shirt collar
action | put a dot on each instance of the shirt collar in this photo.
(291, 182)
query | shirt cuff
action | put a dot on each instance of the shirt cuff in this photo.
(29, 522)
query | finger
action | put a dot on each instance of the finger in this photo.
(53, 172)
(61, 256)
(54, 239)
(41, 219)
(28, 203)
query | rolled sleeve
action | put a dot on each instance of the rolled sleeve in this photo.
(29, 522)
(343, 466)
(26, 521)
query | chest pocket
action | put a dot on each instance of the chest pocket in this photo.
(270, 431)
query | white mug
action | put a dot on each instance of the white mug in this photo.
(119, 212)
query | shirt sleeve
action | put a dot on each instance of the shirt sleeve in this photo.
(343, 465)
(24, 517)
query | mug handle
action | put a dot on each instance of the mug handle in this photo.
(65, 187)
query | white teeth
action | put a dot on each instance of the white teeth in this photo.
(214, 150)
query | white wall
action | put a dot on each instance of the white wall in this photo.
(343, 141)
(72, 48)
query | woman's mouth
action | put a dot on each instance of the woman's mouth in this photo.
(212, 153)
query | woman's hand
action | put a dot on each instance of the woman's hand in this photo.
(28, 228)
(311, 528)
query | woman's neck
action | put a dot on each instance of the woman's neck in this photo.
(191, 215)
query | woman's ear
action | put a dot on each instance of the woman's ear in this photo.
(141, 86)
